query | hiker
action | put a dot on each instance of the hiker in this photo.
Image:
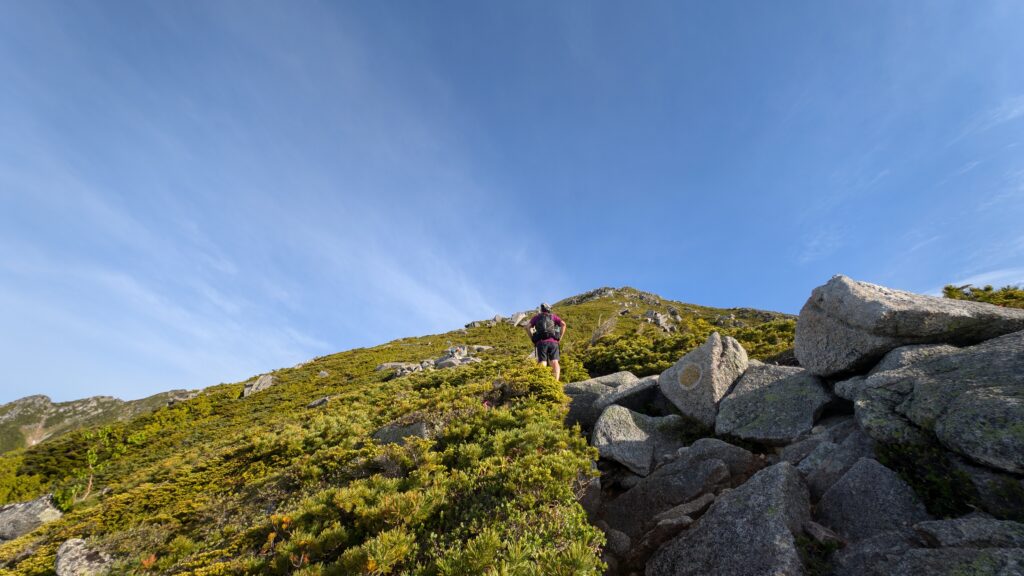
(545, 330)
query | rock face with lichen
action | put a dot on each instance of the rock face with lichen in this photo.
(847, 326)
(940, 384)
(699, 380)
(76, 558)
(24, 517)
(635, 440)
(750, 530)
(772, 404)
(970, 399)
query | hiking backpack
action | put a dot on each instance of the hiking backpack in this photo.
(545, 329)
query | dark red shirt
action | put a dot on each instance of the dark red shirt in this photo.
(558, 322)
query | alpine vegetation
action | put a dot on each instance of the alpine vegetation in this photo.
(878, 433)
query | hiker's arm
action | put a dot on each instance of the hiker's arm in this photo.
(529, 330)
(565, 329)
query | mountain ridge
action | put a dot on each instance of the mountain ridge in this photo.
(680, 427)
(32, 419)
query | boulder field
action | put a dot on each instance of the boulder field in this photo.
(895, 447)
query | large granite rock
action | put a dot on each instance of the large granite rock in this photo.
(959, 562)
(703, 376)
(876, 555)
(748, 531)
(831, 432)
(850, 388)
(616, 380)
(905, 356)
(643, 396)
(699, 469)
(958, 547)
(583, 396)
(830, 461)
(974, 532)
(772, 404)
(796, 452)
(24, 517)
(972, 399)
(847, 326)
(635, 440)
(258, 385)
(868, 500)
(75, 558)
(1000, 494)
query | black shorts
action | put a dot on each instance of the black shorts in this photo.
(547, 351)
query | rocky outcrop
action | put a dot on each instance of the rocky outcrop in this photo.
(697, 382)
(643, 395)
(905, 356)
(19, 519)
(847, 326)
(952, 547)
(596, 294)
(660, 320)
(617, 380)
(76, 558)
(971, 399)
(999, 494)
(830, 461)
(974, 532)
(397, 432)
(772, 404)
(748, 531)
(319, 402)
(584, 395)
(908, 377)
(701, 468)
(831, 431)
(850, 388)
(258, 385)
(868, 500)
(635, 440)
(451, 358)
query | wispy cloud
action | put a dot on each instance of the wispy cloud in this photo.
(821, 243)
(998, 278)
(1008, 110)
(966, 168)
(923, 243)
(1009, 192)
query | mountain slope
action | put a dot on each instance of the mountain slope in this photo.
(30, 420)
(225, 484)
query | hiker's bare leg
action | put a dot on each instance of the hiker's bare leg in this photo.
(543, 362)
(557, 369)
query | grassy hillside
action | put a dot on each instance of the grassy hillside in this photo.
(221, 484)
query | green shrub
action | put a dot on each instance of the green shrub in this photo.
(946, 491)
(647, 354)
(221, 485)
(1009, 296)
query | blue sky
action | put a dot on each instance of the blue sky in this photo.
(195, 192)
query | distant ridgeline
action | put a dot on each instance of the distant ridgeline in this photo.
(32, 419)
(456, 454)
